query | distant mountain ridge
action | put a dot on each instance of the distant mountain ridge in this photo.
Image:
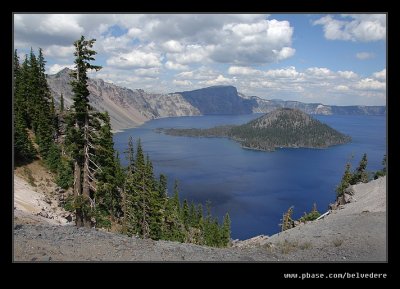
(219, 100)
(129, 108)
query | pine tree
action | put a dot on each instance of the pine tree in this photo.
(346, 180)
(192, 215)
(78, 132)
(61, 103)
(226, 231)
(360, 174)
(162, 186)
(381, 172)
(23, 147)
(173, 228)
(185, 214)
(109, 183)
(129, 220)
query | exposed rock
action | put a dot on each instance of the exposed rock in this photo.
(349, 190)
(129, 108)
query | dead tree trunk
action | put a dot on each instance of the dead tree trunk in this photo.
(85, 183)
(77, 192)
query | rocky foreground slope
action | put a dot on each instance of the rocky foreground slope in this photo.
(355, 232)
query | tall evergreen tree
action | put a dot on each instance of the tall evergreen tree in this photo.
(79, 134)
(381, 172)
(23, 147)
(162, 186)
(346, 180)
(62, 103)
(226, 230)
(109, 183)
(361, 174)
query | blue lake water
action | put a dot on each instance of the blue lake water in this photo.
(256, 187)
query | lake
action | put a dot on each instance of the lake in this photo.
(255, 187)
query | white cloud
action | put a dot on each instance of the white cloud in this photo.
(369, 83)
(380, 74)
(289, 72)
(172, 46)
(182, 82)
(285, 52)
(135, 59)
(148, 72)
(185, 74)
(58, 51)
(265, 41)
(175, 66)
(347, 74)
(356, 27)
(220, 80)
(342, 88)
(46, 29)
(53, 69)
(319, 71)
(365, 55)
(192, 54)
(242, 70)
(111, 44)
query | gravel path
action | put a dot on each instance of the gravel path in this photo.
(68, 243)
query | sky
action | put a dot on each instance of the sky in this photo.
(334, 59)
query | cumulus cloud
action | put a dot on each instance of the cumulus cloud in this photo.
(380, 74)
(263, 42)
(172, 46)
(341, 88)
(135, 59)
(58, 51)
(369, 83)
(321, 72)
(175, 66)
(148, 72)
(347, 74)
(46, 29)
(219, 80)
(289, 72)
(242, 70)
(365, 55)
(182, 82)
(357, 27)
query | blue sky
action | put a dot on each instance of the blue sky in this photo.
(326, 58)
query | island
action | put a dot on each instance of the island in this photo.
(281, 128)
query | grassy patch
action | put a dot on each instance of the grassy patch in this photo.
(305, 246)
(287, 246)
(28, 174)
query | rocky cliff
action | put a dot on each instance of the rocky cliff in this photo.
(130, 108)
(265, 106)
(127, 108)
(218, 100)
